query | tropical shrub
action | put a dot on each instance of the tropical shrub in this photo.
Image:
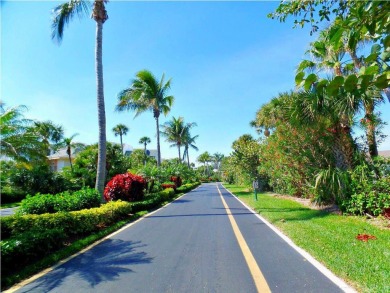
(177, 180)
(38, 178)
(62, 202)
(167, 185)
(72, 223)
(128, 187)
(29, 246)
(84, 165)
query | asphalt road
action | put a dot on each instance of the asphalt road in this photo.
(188, 246)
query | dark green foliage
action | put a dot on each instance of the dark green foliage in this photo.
(61, 202)
(371, 199)
(29, 246)
(38, 179)
(84, 166)
(72, 223)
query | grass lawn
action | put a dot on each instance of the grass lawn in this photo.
(330, 239)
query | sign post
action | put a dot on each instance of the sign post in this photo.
(255, 185)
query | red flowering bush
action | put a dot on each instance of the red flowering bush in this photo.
(128, 187)
(176, 180)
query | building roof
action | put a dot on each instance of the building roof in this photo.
(61, 154)
(385, 154)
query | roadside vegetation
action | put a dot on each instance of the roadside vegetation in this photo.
(307, 146)
(330, 238)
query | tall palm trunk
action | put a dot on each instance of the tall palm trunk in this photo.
(156, 115)
(120, 135)
(178, 147)
(370, 132)
(188, 157)
(145, 154)
(101, 165)
(344, 138)
(69, 152)
(369, 109)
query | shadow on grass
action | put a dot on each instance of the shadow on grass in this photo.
(104, 263)
(293, 213)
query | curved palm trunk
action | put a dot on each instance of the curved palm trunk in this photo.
(370, 132)
(101, 165)
(158, 140)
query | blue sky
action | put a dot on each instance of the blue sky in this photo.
(225, 59)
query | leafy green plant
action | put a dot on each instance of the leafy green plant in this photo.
(28, 246)
(332, 185)
(61, 202)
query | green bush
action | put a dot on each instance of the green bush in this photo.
(61, 202)
(38, 179)
(72, 223)
(369, 197)
(29, 246)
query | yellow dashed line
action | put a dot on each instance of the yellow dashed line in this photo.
(258, 278)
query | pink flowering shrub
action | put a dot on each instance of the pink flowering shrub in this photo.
(128, 187)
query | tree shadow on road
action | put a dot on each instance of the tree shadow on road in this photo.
(103, 263)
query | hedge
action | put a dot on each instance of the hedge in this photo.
(28, 238)
(62, 202)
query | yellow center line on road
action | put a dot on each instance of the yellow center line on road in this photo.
(258, 278)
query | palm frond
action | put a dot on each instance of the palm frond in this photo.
(64, 13)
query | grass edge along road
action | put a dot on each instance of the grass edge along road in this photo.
(329, 238)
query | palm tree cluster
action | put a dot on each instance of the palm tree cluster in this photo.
(177, 132)
(206, 159)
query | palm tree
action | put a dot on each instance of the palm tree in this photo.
(146, 93)
(189, 141)
(175, 132)
(70, 144)
(205, 158)
(329, 55)
(49, 133)
(218, 158)
(120, 130)
(144, 140)
(63, 14)
(17, 140)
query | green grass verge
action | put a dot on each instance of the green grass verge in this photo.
(330, 239)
